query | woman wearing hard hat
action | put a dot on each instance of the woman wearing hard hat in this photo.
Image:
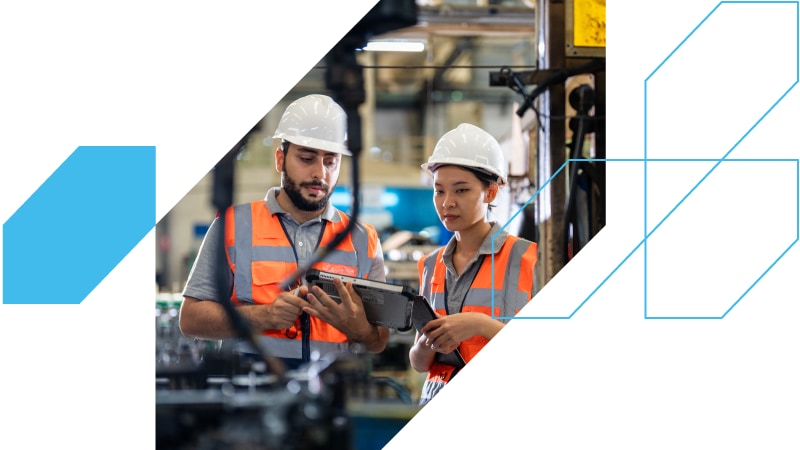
(468, 171)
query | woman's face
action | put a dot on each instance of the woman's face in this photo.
(460, 197)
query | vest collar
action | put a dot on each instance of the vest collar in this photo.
(486, 245)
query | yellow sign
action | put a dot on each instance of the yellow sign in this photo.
(589, 23)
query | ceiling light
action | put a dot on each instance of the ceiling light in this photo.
(394, 46)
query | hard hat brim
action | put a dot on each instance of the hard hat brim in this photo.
(432, 166)
(314, 143)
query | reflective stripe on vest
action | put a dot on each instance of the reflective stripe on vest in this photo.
(513, 284)
(281, 347)
(513, 273)
(261, 257)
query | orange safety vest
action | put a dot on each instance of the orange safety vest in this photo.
(261, 257)
(513, 285)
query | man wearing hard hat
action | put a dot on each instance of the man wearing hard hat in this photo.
(266, 241)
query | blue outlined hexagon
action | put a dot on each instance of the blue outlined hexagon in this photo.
(78, 225)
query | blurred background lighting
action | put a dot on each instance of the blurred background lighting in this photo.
(394, 46)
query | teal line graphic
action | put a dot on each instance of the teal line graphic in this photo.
(647, 232)
(78, 225)
(725, 158)
(641, 243)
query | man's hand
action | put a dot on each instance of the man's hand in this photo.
(284, 310)
(209, 320)
(348, 316)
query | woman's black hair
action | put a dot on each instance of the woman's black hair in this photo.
(485, 177)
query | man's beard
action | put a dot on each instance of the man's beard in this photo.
(292, 190)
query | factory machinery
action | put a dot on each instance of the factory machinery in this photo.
(211, 396)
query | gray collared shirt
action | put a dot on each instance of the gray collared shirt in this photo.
(304, 236)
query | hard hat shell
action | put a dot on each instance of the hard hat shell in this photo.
(469, 146)
(315, 121)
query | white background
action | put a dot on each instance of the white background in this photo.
(192, 77)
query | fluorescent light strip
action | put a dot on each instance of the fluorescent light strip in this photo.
(394, 46)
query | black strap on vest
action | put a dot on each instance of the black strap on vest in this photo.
(305, 319)
(476, 268)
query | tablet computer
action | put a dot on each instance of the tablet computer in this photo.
(421, 314)
(385, 304)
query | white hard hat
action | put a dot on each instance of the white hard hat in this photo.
(315, 121)
(469, 146)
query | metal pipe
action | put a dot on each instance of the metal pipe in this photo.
(551, 148)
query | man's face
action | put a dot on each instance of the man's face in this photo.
(308, 175)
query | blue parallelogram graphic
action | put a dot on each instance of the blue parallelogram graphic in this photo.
(83, 220)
